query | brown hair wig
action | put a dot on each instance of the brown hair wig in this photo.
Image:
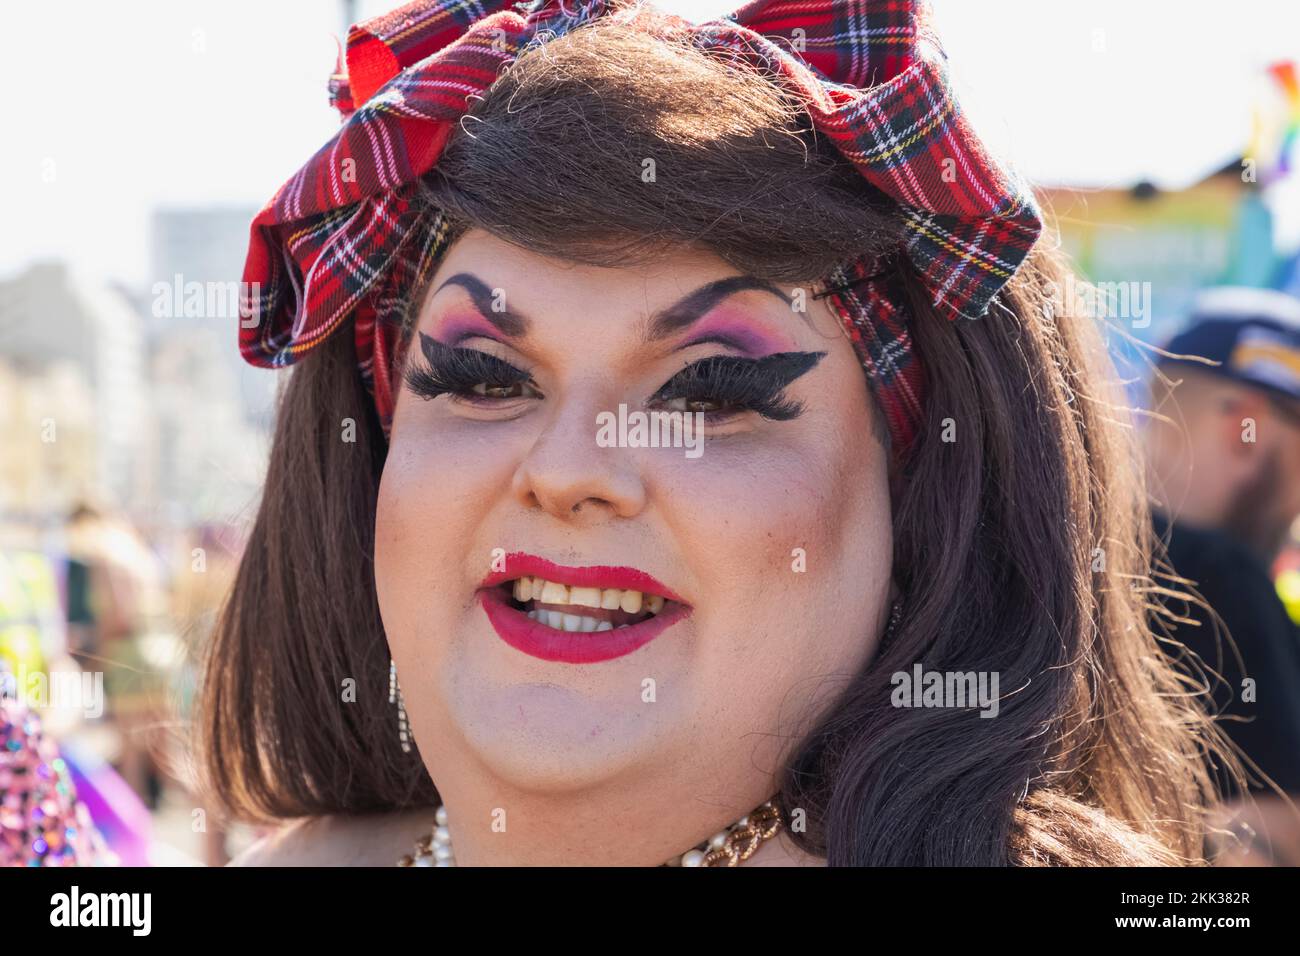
(1098, 754)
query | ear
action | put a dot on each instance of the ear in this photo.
(1246, 425)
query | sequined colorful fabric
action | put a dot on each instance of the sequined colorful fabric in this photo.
(42, 823)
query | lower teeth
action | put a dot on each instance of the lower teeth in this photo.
(576, 623)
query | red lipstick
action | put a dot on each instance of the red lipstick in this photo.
(574, 647)
(518, 565)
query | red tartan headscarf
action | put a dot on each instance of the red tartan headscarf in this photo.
(347, 235)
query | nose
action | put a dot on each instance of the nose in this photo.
(566, 473)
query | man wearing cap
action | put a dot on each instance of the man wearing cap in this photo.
(1224, 472)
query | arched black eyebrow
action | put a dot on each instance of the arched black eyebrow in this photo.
(509, 323)
(662, 324)
(689, 309)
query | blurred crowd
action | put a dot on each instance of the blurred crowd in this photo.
(101, 625)
(1223, 464)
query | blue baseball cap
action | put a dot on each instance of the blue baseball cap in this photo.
(1254, 335)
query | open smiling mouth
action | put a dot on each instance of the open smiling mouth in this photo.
(577, 621)
(577, 609)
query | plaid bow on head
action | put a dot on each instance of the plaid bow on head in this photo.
(346, 236)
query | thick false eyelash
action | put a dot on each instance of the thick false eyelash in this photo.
(754, 384)
(455, 371)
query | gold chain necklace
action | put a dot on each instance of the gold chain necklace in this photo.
(730, 847)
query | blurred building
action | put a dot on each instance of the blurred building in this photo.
(206, 243)
(211, 458)
(75, 357)
(203, 248)
(43, 468)
(214, 408)
(96, 408)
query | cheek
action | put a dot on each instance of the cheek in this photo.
(792, 545)
(436, 488)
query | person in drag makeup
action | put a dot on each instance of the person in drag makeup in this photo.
(687, 460)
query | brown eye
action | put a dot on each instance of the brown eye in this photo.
(516, 390)
(694, 405)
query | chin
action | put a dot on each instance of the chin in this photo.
(541, 736)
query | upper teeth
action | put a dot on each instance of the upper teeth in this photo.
(550, 592)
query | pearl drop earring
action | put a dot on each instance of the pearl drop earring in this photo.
(395, 696)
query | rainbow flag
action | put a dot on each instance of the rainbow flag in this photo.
(1285, 74)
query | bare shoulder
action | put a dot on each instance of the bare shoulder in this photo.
(339, 840)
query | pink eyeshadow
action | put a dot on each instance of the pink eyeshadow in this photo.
(735, 326)
(462, 325)
(739, 329)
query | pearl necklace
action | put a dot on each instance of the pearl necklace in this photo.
(730, 847)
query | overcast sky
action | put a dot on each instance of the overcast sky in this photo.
(118, 107)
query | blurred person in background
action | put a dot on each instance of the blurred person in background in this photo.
(1224, 467)
(117, 603)
(51, 795)
(83, 637)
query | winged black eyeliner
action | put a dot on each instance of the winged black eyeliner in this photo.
(457, 371)
(736, 382)
(750, 383)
